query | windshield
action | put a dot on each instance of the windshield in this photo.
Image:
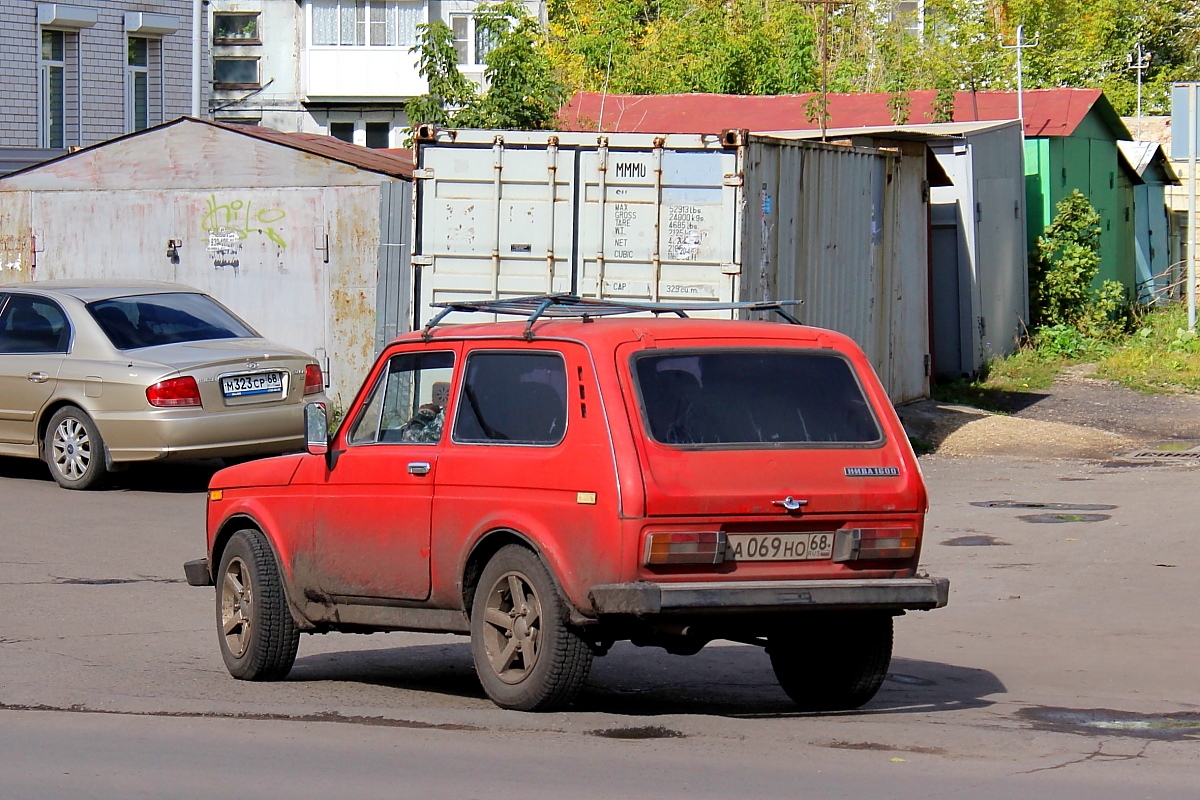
(153, 319)
(754, 397)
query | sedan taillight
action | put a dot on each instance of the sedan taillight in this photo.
(174, 393)
(314, 381)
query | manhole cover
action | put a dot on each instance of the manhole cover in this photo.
(980, 540)
(1185, 725)
(1045, 506)
(1064, 517)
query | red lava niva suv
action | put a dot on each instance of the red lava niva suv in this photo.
(553, 485)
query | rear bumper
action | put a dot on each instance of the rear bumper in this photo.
(195, 433)
(888, 594)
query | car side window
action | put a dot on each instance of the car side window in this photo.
(408, 402)
(31, 324)
(513, 398)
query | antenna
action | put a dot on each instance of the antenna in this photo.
(1020, 45)
(1139, 64)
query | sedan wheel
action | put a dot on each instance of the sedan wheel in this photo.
(74, 450)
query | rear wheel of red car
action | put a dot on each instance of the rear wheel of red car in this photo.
(526, 654)
(833, 662)
(258, 636)
(74, 450)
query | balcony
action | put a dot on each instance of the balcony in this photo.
(360, 73)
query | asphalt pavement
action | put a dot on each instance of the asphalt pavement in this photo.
(1064, 664)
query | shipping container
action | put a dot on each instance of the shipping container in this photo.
(978, 264)
(683, 217)
(303, 237)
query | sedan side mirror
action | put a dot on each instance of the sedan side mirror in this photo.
(316, 429)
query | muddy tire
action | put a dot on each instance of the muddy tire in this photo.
(833, 662)
(73, 450)
(527, 655)
(255, 628)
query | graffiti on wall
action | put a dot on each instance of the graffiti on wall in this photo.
(229, 223)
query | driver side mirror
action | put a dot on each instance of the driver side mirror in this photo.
(316, 429)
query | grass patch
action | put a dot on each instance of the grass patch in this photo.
(1161, 355)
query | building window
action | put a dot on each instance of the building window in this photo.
(377, 134)
(235, 73)
(342, 130)
(235, 28)
(365, 23)
(53, 96)
(911, 14)
(137, 85)
(472, 42)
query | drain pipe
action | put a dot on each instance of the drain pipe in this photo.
(196, 12)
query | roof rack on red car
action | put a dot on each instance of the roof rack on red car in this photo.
(569, 305)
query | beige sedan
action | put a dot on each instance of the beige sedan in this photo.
(96, 375)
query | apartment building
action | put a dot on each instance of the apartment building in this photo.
(344, 68)
(80, 73)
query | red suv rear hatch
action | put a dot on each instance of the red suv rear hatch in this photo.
(740, 430)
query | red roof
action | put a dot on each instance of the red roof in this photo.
(1048, 112)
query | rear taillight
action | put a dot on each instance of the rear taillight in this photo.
(698, 547)
(174, 392)
(314, 381)
(873, 544)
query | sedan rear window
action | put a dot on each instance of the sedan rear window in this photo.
(147, 320)
(754, 397)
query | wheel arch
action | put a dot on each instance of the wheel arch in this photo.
(242, 521)
(482, 552)
(47, 414)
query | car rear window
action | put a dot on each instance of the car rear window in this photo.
(147, 320)
(754, 397)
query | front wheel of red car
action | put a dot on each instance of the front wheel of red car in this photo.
(833, 662)
(258, 636)
(527, 655)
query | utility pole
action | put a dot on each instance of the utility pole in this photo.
(1020, 45)
(1139, 64)
(823, 52)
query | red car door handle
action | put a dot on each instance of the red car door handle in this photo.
(418, 468)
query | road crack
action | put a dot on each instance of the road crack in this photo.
(1096, 755)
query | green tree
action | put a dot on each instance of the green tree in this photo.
(522, 90)
(437, 61)
(1066, 264)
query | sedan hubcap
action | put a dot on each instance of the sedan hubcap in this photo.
(237, 602)
(512, 635)
(72, 449)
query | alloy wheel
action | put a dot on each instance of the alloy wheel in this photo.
(72, 448)
(237, 605)
(512, 636)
